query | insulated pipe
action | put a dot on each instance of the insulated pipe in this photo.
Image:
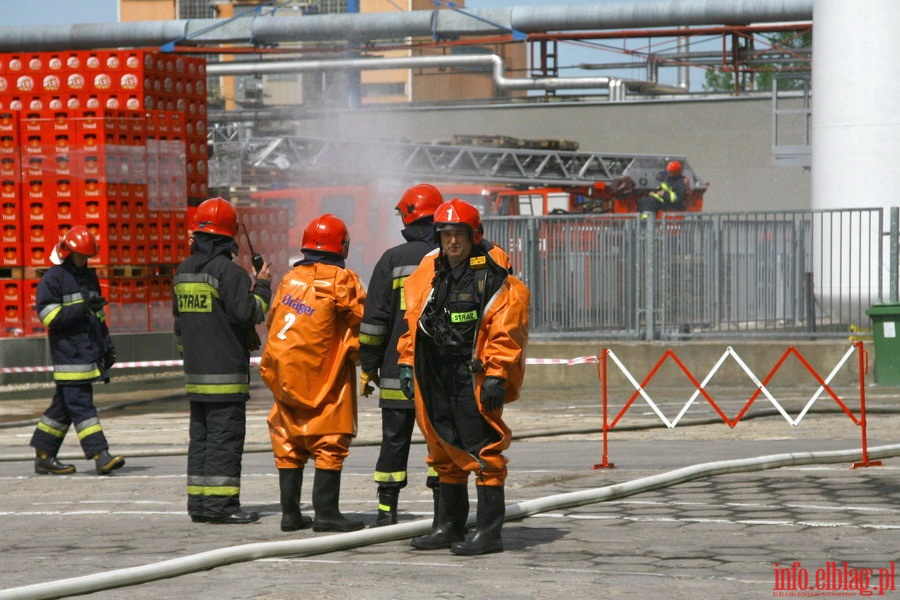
(490, 61)
(343, 541)
(365, 27)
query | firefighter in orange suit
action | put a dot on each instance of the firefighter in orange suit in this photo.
(463, 358)
(309, 363)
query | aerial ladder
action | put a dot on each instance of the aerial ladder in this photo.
(239, 158)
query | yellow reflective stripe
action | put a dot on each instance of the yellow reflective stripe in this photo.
(382, 477)
(213, 490)
(432, 472)
(89, 430)
(57, 433)
(76, 376)
(371, 340)
(389, 394)
(48, 315)
(222, 388)
(262, 303)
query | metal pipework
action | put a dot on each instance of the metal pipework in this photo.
(365, 27)
(488, 61)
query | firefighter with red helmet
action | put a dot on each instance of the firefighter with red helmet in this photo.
(309, 363)
(671, 193)
(381, 328)
(70, 306)
(217, 306)
(462, 359)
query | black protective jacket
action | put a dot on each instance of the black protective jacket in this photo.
(79, 338)
(383, 321)
(216, 306)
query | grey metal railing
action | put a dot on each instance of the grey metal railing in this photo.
(786, 274)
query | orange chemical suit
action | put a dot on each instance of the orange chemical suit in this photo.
(309, 364)
(500, 341)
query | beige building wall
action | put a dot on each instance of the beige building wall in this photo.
(146, 10)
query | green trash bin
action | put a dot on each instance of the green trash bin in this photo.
(886, 330)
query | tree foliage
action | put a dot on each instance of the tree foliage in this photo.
(760, 78)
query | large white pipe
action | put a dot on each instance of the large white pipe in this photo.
(855, 127)
(332, 543)
(362, 27)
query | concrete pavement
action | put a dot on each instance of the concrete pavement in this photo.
(711, 538)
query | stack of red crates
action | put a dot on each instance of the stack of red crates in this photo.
(114, 140)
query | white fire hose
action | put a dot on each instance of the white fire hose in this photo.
(343, 541)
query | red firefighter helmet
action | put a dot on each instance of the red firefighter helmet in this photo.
(455, 213)
(418, 202)
(327, 233)
(217, 216)
(673, 167)
(77, 240)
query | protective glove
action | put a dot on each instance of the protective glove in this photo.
(109, 359)
(96, 303)
(493, 393)
(364, 379)
(406, 382)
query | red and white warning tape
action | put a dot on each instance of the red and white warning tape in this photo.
(581, 360)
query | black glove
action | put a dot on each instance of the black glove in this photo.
(493, 393)
(96, 303)
(109, 359)
(406, 382)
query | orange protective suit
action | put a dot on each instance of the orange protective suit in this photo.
(500, 345)
(309, 364)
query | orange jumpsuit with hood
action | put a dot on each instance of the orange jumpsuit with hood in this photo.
(309, 365)
(500, 342)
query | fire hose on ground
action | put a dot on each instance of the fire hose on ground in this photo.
(344, 541)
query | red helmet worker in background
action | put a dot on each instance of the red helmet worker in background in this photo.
(419, 202)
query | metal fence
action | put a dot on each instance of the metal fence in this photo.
(790, 274)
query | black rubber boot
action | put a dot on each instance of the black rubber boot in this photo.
(387, 506)
(290, 482)
(326, 496)
(490, 514)
(106, 463)
(453, 510)
(50, 465)
(241, 517)
(436, 497)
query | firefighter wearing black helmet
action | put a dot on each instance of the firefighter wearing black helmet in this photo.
(216, 307)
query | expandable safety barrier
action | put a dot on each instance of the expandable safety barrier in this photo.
(608, 355)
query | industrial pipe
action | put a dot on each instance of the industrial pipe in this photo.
(493, 62)
(343, 541)
(364, 27)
